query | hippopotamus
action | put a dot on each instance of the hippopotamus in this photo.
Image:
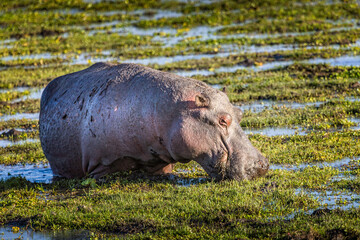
(110, 118)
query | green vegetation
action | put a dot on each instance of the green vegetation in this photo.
(282, 26)
(29, 106)
(300, 198)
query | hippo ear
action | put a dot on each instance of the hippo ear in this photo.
(202, 100)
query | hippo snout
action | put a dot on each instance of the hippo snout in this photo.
(263, 166)
(247, 166)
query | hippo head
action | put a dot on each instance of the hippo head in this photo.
(208, 131)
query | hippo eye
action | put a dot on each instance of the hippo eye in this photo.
(225, 120)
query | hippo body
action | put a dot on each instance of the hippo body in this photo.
(109, 118)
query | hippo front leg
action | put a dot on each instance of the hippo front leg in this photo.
(163, 168)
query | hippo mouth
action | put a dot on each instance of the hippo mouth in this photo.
(223, 160)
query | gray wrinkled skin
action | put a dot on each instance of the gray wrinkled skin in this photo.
(111, 118)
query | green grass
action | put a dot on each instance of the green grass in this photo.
(187, 204)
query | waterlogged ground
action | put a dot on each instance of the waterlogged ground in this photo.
(292, 67)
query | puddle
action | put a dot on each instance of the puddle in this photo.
(35, 93)
(329, 200)
(85, 58)
(7, 233)
(281, 47)
(8, 143)
(356, 121)
(32, 56)
(151, 14)
(131, 30)
(17, 89)
(274, 35)
(40, 173)
(5, 43)
(339, 164)
(17, 129)
(194, 73)
(353, 61)
(342, 176)
(187, 182)
(217, 86)
(18, 116)
(259, 106)
(272, 131)
(263, 67)
(352, 99)
(334, 199)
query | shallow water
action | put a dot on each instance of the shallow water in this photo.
(17, 129)
(84, 59)
(225, 51)
(274, 131)
(217, 86)
(7, 233)
(339, 164)
(266, 66)
(329, 200)
(32, 56)
(342, 176)
(18, 116)
(131, 30)
(339, 61)
(332, 199)
(187, 182)
(356, 121)
(259, 106)
(191, 73)
(40, 173)
(35, 93)
(8, 143)
(17, 89)
(157, 14)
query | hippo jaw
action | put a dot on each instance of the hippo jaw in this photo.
(240, 161)
(209, 132)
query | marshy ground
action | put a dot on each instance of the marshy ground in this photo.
(293, 67)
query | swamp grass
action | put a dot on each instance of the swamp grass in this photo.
(149, 207)
(284, 204)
